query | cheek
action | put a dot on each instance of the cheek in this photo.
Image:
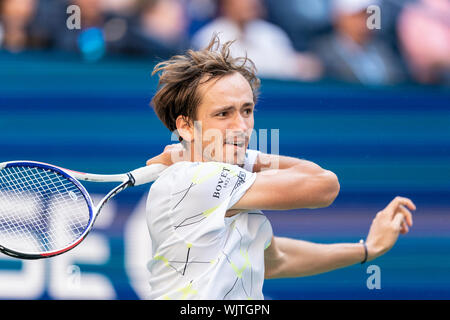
(251, 122)
(212, 133)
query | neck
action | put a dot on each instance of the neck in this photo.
(192, 152)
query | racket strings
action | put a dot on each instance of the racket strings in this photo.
(40, 210)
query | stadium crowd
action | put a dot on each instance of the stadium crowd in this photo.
(306, 40)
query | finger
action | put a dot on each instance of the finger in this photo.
(407, 214)
(397, 201)
(402, 201)
(176, 145)
(171, 146)
(404, 228)
(398, 221)
(153, 160)
(178, 154)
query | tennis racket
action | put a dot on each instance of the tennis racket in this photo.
(45, 210)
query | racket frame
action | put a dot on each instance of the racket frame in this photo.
(126, 180)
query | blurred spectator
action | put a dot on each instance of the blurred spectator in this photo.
(352, 52)
(303, 20)
(424, 32)
(265, 43)
(200, 12)
(103, 27)
(119, 7)
(159, 28)
(16, 17)
(89, 40)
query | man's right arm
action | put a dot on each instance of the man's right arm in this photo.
(290, 184)
(282, 183)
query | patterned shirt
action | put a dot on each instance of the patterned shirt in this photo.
(198, 253)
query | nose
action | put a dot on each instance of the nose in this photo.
(240, 123)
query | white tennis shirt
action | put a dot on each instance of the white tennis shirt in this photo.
(198, 253)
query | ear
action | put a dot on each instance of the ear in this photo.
(185, 128)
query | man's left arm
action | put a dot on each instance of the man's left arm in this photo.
(289, 258)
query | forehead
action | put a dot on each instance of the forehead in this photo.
(227, 90)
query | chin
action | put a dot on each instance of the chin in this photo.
(230, 155)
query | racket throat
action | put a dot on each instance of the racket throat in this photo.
(131, 180)
(111, 195)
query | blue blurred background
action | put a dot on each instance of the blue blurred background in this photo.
(80, 99)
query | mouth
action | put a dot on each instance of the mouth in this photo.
(239, 144)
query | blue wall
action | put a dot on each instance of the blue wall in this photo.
(381, 142)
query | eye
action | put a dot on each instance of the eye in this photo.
(248, 111)
(222, 114)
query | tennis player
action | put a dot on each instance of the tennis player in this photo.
(209, 238)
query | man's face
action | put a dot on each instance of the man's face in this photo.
(225, 115)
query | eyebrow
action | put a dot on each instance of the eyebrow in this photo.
(229, 108)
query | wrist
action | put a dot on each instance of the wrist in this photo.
(366, 251)
(373, 251)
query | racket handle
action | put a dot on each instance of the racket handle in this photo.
(147, 174)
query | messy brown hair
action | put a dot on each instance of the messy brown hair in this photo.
(181, 75)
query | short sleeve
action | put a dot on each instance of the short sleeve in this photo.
(250, 159)
(215, 185)
(244, 181)
(193, 197)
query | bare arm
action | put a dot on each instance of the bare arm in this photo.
(285, 183)
(289, 258)
(266, 161)
(296, 258)
(282, 183)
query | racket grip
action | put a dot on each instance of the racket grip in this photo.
(147, 174)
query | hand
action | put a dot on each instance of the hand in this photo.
(172, 153)
(387, 225)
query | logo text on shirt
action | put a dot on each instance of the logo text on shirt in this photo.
(223, 181)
